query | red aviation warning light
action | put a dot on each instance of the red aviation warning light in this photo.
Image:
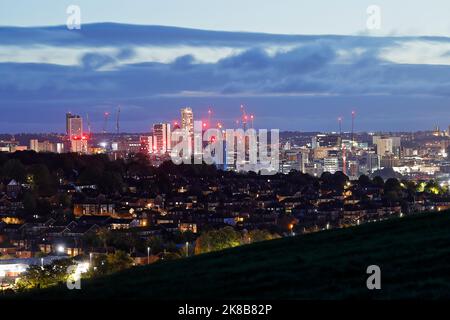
(82, 137)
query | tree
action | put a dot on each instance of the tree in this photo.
(119, 261)
(64, 200)
(392, 184)
(378, 182)
(105, 264)
(432, 187)
(14, 169)
(45, 276)
(29, 202)
(91, 175)
(261, 235)
(41, 180)
(215, 240)
(156, 244)
(364, 181)
(110, 182)
(104, 235)
(392, 190)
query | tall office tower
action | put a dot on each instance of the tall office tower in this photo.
(353, 169)
(74, 125)
(161, 137)
(332, 164)
(387, 145)
(34, 145)
(384, 146)
(146, 144)
(372, 162)
(187, 124)
(187, 120)
(78, 142)
(291, 160)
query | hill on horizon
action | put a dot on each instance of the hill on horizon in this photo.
(412, 252)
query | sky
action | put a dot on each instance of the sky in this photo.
(296, 65)
(343, 17)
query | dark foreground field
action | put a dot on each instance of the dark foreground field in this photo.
(413, 254)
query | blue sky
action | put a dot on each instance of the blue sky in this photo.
(283, 16)
(324, 65)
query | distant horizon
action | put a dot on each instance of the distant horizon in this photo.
(281, 131)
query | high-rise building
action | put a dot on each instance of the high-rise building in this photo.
(74, 126)
(129, 146)
(387, 145)
(187, 120)
(161, 137)
(78, 142)
(332, 164)
(291, 160)
(353, 169)
(372, 162)
(389, 161)
(34, 145)
(146, 144)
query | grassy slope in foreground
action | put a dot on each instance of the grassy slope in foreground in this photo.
(413, 253)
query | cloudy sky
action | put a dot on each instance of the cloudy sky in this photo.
(296, 65)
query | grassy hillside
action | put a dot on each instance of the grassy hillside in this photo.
(413, 253)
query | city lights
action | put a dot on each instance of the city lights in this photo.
(223, 159)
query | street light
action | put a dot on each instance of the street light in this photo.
(148, 255)
(90, 259)
(42, 263)
(187, 249)
(60, 249)
(291, 228)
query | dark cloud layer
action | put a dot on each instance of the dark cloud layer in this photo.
(309, 66)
